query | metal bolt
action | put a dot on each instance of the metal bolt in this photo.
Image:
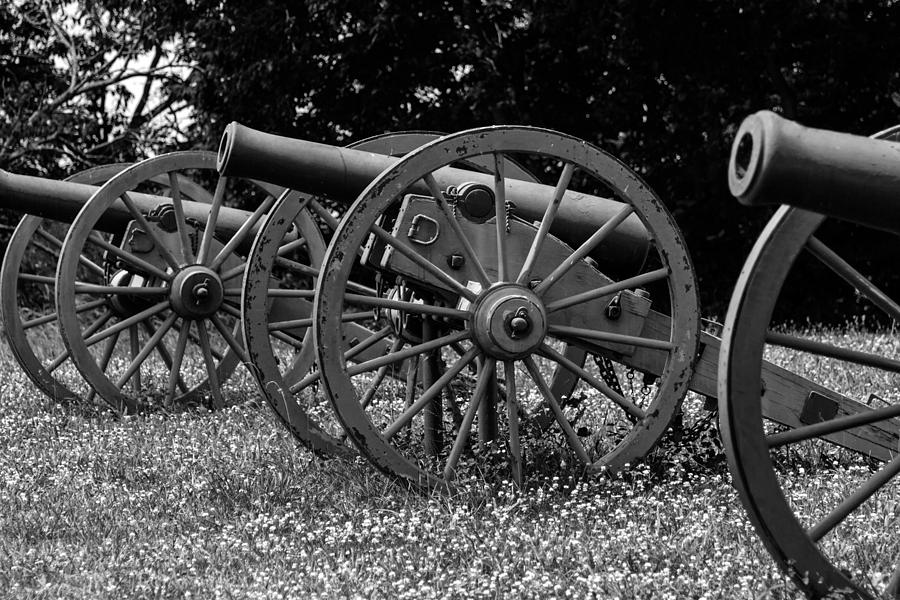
(614, 308)
(456, 261)
(201, 291)
(642, 293)
(520, 324)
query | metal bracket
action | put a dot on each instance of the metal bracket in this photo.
(818, 408)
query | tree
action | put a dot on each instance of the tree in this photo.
(661, 85)
(84, 83)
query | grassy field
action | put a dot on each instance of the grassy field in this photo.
(203, 504)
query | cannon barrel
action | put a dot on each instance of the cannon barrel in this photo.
(777, 161)
(62, 200)
(342, 173)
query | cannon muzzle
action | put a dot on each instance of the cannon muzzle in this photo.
(343, 173)
(62, 200)
(777, 161)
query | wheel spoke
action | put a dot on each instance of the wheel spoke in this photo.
(500, 214)
(134, 343)
(583, 250)
(243, 231)
(606, 290)
(598, 384)
(90, 288)
(855, 500)
(410, 307)
(48, 318)
(349, 317)
(297, 267)
(230, 339)
(606, 336)
(388, 359)
(163, 352)
(412, 376)
(177, 205)
(211, 372)
(859, 281)
(84, 260)
(211, 221)
(232, 272)
(370, 341)
(571, 436)
(429, 394)
(485, 377)
(60, 358)
(107, 354)
(131, 259)
(288, 338)
(330, 220)
(126, 323)
(349, 354)
(429, 369)
(471, 254)
(134, 368)
(150, 230)
(512, 417)
(807, 432)
(290, 293)
(175, 368)
(423, 262)
(32, 278)
(382, 372)
(821, 348)
(549, 216)
(291, 246)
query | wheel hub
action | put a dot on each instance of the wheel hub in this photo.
(509, 322)
(196, 292)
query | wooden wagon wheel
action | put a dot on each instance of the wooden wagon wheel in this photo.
(453, 336)
(277, 302)
(836, 550)
(167, 331)
(27, 295)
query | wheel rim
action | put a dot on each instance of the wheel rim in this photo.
(806, 551)
(171, 355)
(448, 327)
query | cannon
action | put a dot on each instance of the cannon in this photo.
(465, 313)
(125, 241)
(833, 187)
(140, 319)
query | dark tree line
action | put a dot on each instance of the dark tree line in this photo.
(661, 85)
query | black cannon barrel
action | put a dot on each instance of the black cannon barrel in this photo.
(777, 161)
(343, 173)
(62, 200)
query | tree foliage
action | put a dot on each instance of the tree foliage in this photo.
(80, 85)
(661, 85)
